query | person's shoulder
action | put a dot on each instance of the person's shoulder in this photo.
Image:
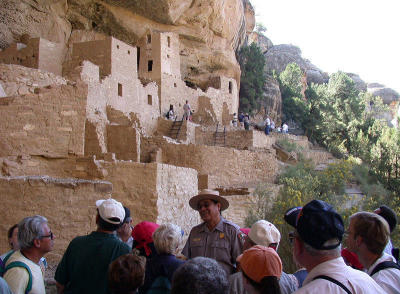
(231, 225)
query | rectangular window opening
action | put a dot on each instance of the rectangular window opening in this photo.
(150, 65)
(169, 41)
(149, 100)
(230, 87)
(119, 89)
(148, 39)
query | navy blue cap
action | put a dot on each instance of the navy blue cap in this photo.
(317, 223)
(291, 215)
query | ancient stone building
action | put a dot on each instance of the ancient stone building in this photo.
(99, 130)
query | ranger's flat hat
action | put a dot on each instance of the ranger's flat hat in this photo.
(208, 194)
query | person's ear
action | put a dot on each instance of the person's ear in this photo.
(219, 206)
(36, 243)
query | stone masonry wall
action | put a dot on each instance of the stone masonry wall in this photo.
(68, 204)
(175, 186)
(242, 139)
(50, 123)
(20, 80)
(186, 133)
(36, 53)
(226, 166)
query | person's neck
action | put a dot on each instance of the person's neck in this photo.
(367, 258)
(104, 231)
(32, 254)
(213, 223)
(314, 262)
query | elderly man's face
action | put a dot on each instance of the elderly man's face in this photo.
(208, 210)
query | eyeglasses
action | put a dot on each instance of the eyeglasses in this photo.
(51, 236)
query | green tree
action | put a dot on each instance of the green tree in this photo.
(291, 86)
(252, 65)
(260, 28)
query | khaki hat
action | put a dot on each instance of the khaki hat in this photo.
(258, 262)
(111, 209)
(208, 194)
(264, 233)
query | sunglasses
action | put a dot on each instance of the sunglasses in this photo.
(51, 236)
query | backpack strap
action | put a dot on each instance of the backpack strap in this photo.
(333, 281)
(8, 256)
(25, 266)
(384, 265)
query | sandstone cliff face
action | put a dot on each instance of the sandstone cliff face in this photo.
(210, 30)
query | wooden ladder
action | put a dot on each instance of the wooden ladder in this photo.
(176, 128)
(220, 137)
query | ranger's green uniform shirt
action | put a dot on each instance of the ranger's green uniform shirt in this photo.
(84, 266)
(224, 244)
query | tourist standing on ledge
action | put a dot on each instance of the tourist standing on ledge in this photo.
(246, 121)
(267, 124)
(216, 237)
(35, 240)
(186, 110)
(368, 235)
(171, 113)
(285, 128)
(84, 266)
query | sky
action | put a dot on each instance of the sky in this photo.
(361, 37)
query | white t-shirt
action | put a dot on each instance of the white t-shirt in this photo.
(388, 279)
(356, 281)
(18, 277)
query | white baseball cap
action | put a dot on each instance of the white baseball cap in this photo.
(264, 233)
(109, 209)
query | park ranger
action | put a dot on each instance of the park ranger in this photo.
(216, 237)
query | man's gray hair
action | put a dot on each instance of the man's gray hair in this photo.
(200, 275)
(336, 252)
(167, 239)
(29, 229)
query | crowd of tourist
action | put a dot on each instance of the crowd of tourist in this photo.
(268, 124)
(218, 257)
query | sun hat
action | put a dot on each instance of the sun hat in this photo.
(258, 262)
(264, 233)
(111, 211)
(208, 194)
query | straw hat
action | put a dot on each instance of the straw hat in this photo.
(208, 194)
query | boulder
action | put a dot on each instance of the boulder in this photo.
(262, 41)
(360, 84)
(388, 95)
(279, 56)
(272, 99)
